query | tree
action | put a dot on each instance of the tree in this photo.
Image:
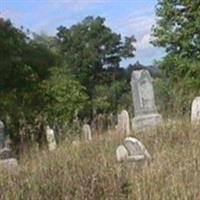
(24, 66)
(89, 48)
(65, 97)
(178, 31)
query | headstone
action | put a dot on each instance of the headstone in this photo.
(75, 143)
(121, 153)
(146, 115)
(133, 151)
(50, 138)
(119, 124)
(136, 148)
(124, 123)
(2, 134)
(87, 132)
(195, 111)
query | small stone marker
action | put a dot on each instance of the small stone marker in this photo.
(125, 122)
(146, 115)
(133, 151)
(2, 134)
(87, 132)
(195, 111)
(75, 143)
(50, 138)
(121, 153)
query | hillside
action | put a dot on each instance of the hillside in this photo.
(90, 170)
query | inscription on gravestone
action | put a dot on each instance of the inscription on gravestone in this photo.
(146, 115)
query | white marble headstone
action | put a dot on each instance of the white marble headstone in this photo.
(121, 153)
(50, 138)
(87, 132)
(123, 126)
(195, 111)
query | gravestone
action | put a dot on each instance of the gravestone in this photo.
(145, 111)
(87, 132)
(195, 111)
(121, 153)
(137, 149)
(50, 138)
(2, 134)
(123, 123)
(133, 151)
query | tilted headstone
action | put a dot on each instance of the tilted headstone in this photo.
(195, 111)
(136, 148)
(2, 134)
(87, 132)
(133, 151)
(146, 115)
(50, 138)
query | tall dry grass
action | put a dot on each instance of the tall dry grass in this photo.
(90, 171)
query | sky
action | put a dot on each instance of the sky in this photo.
(127, 17)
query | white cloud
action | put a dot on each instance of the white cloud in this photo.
(144, 42)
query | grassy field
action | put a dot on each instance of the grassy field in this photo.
(90, 171)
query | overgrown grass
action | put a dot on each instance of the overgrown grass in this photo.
(90, 171)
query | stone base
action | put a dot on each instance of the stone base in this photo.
(143, 122)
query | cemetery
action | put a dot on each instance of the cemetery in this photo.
(77, 123)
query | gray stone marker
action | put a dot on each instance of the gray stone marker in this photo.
(2, 134)
(123, 126)
(146, 115)
(87, 132)
(195, 111)
(133, 151)
(50, 138)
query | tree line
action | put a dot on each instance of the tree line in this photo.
(54, 79)
(77, 73)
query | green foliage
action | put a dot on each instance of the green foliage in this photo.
(65, 97)
(24, 67)
(89, 79)
(89, 48)
(178, 31)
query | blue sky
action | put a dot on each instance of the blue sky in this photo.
(128, 17)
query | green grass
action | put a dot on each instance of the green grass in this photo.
(90, 171)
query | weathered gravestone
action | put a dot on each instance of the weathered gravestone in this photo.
(87, 133)
(133, 151)
(123, 126)
(146, 115)
(2, 134)
(195, 111)
(50, 138)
